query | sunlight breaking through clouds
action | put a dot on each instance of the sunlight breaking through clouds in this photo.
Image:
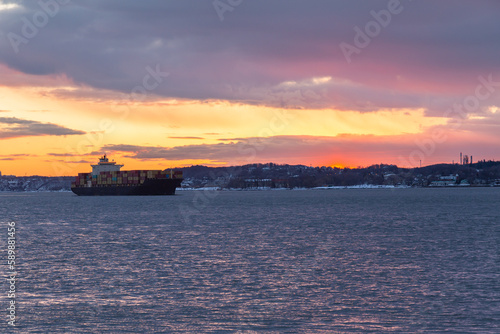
(8, 6)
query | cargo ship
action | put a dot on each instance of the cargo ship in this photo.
(106, 179)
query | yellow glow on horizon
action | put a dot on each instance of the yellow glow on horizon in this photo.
(338, 166)
(167, 123)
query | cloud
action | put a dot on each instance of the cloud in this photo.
(186, 137)
(65, 154)
(430, 51)
(12, 127)
(17, 156)
(215, 152)
(79, 162)
(347, 150)
(22, 155)
(8, 6)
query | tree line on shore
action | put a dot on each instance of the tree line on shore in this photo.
(300, 176)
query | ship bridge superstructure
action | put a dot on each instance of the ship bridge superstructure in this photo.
(105, 165)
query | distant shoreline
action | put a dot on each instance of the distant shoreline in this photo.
(180, 190)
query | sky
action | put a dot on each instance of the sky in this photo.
(162, 84)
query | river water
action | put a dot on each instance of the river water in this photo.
(288, 261)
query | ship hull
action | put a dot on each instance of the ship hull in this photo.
(150, 187)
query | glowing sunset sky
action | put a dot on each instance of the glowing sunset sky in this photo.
(158, 84)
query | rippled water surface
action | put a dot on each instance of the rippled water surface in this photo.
(315, 261)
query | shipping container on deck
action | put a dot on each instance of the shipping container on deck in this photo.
(135, 178)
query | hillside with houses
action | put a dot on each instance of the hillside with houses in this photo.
(272, 176)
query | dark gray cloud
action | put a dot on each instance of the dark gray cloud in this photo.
(431, 49)
(215, 152)
(12, 127)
